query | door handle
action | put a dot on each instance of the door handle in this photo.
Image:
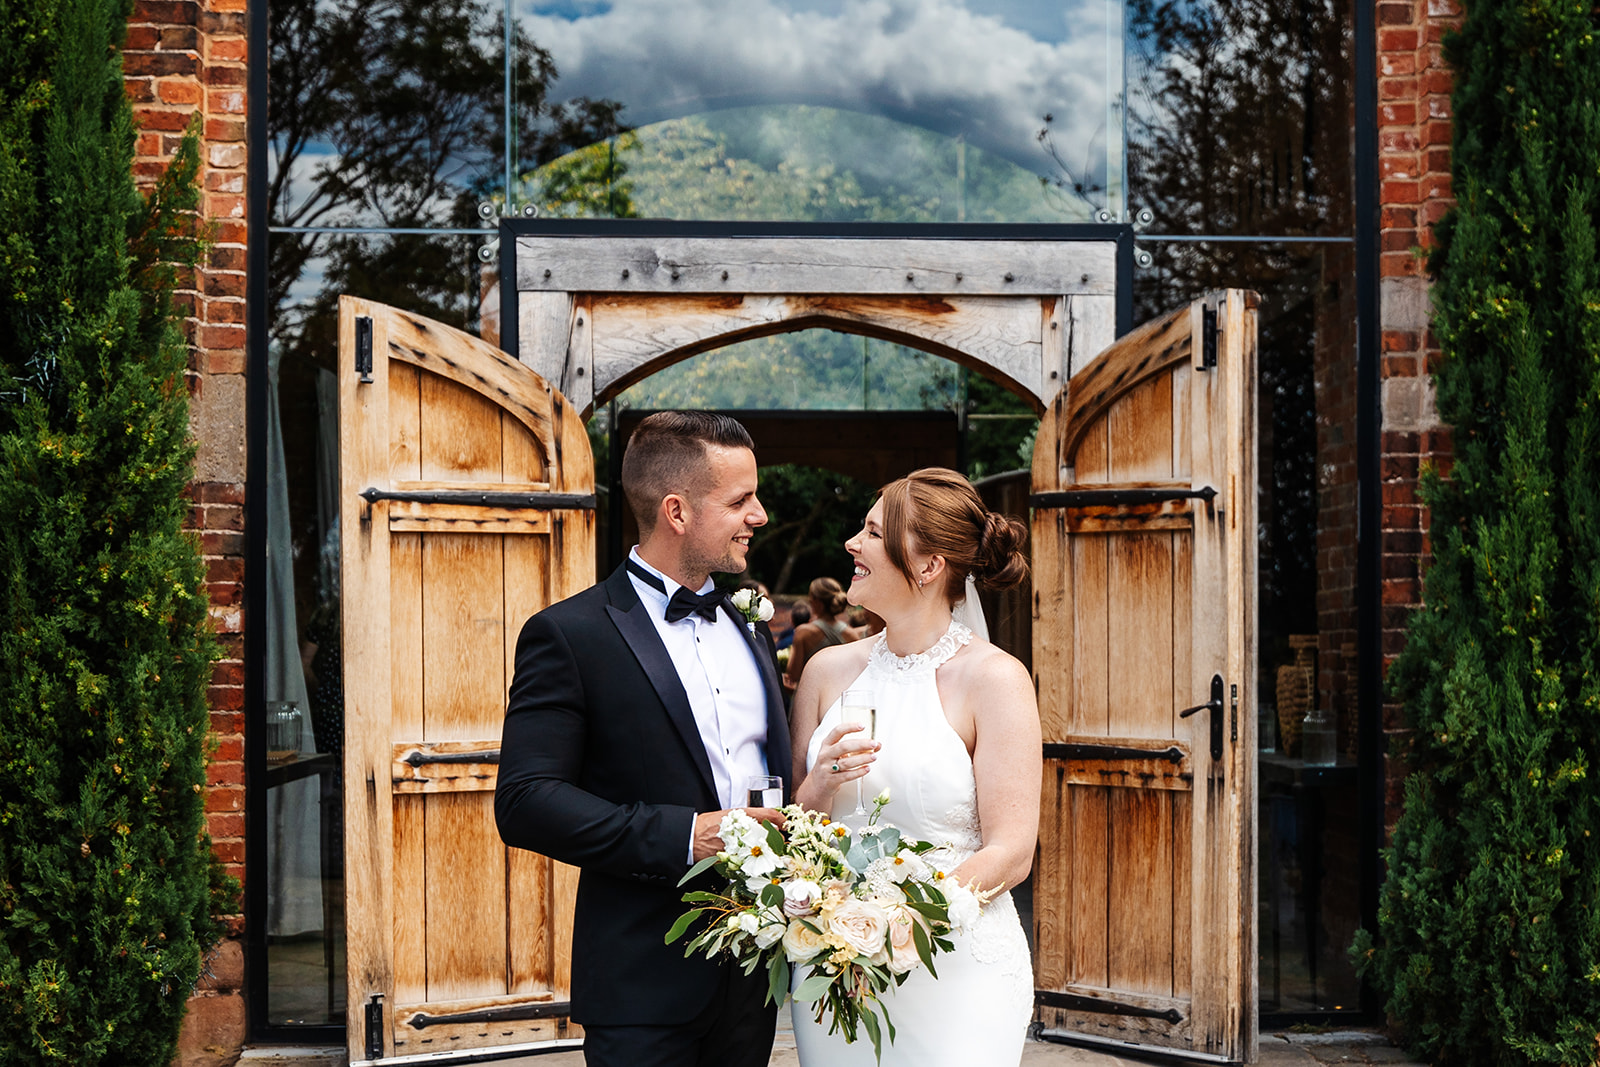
(1215, 706)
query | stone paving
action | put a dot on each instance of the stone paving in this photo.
(1281, 1049)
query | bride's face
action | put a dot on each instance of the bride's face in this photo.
(876, 580)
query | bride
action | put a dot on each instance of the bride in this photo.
(958, 747)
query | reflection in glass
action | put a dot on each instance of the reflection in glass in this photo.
(1239, 115)
(809, 370)
(814, 92)
(1309, 849)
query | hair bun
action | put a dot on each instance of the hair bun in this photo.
(1001, 562)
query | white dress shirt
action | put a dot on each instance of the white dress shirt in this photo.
(717, 666)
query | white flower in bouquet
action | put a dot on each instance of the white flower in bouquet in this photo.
(800, 897)
(908, 864)
(801, 942)
(880, 881)
(770, 934)
(882, 799)
(861, 925)
(964, 904)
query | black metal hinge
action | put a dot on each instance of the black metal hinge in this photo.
(1049, 998)
(1080, 751)
(1208, 337)
(364, 348)
(537, 501)
(374, 1020)
(1102, 498)
(550, 1009)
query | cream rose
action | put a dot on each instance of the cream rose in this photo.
(861, 925)
(902, 941)
(801, 942)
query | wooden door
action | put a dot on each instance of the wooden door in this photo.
(1144, 543)
(466, 504)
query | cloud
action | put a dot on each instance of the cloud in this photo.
(935, 63)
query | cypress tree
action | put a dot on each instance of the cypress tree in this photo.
(106, 876)
(1490, 934)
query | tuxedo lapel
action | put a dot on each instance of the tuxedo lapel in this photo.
(779, 758)
(638, 630)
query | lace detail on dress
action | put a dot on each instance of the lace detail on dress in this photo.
(919, 664)
(966, 834)
(998, 940)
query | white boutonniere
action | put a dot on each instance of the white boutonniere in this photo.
(753, 606)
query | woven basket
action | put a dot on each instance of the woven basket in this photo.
(1297, 689)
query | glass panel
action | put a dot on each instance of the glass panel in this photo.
(1239, 115)
(438, 276)
(809, 370)
(383, 114)
(1309, 848)
(951, 110)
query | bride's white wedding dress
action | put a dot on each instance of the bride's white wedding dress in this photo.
(977, 1011)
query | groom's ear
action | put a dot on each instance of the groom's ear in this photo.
(674, 512)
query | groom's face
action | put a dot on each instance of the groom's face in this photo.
(720, 522)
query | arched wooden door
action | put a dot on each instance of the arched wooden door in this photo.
(1144, 544)
(466, 505)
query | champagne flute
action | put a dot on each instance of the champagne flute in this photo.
(764, 791)
(860, 705)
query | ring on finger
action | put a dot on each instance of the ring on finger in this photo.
(835, 768)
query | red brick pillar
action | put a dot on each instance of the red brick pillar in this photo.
(1414, 164)
(184, 57)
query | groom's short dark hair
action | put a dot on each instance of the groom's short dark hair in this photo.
(667, 454)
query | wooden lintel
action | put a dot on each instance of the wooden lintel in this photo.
(865, 266)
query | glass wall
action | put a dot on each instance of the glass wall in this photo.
(401, 130)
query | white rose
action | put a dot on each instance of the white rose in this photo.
(769, 935)
(801, 942)
(964, 907)
(741, 598)
(883, 797)
(748, 922)
(800, 897)
(764, 611)
(861, 925)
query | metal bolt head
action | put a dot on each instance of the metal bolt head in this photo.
(674, 275)
(624, 272)
(1104, 216)
(486, 251)
(1143, 258)
(724, 275)
(530, 211)
(547, 272)
(1010, 277)
(486, 210)
(1146, 216)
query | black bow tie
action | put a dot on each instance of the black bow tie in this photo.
(683, 603)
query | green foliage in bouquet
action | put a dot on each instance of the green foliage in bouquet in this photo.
(1489, 924)
(860, 909)
(106, 878)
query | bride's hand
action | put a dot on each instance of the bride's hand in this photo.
(841, 759)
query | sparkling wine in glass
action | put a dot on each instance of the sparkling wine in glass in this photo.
(860, 705)
(764, 791)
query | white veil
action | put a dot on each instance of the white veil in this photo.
(969, 611)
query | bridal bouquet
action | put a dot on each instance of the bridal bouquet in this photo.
(860, 909)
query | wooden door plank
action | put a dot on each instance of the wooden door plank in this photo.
(455, 445)
(410, 900)
(564, 890)
(529, 921)
(1089, 903)
(405, 422)
(1139, 432)
(1052, 883)
(365, 455)
(1139, 637)
(522, 460)
(405, 635)
(463, 654)
(1139, 938)
(466, 912)
(1090, 709)
(1182, 893)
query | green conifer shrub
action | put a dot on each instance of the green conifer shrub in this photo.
(106, 877)
(1489, 920)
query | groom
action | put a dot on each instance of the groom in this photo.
(638, 709)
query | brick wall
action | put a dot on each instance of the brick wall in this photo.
(185, 57)
(1414, 167)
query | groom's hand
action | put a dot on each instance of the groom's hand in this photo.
(707, 839)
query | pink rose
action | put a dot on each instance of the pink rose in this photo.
(861, 925)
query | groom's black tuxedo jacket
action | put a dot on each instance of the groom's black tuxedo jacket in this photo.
(602, 767)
